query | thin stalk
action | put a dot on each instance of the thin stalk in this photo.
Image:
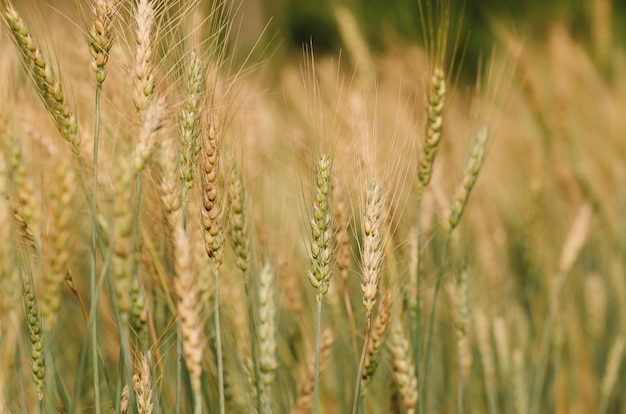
(318, 324)
(179, 366)
(92, 274)
(416, 313)
(535, 396)
(424, 384)
(357, 388)
(460, 382)
(255, 356)
(218, 343)
(350, 313)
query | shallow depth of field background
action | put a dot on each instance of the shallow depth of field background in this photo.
(540, 331)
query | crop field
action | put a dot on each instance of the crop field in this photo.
(271, 207)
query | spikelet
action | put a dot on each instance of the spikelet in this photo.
(403, 368)
(35, 328)
(434, 129)
(372, 245)
(143, 79)
(45, 80)
(101, 37)
(321, 246)
(470, 175)
(143, 387)
(169, 185)
(189, 121)
(305, 393)
(377, 338)
(238, 231)
(211, 214)
(267, 329)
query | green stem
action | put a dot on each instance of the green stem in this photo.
(416, 309)
(357, 389)
(460, 383)
(426, 370)
(218, 343)
(179, 366)
(255, 356)
(92, 278)
(318, 323)
(545, 345)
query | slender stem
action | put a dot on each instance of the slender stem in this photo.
(348, 304)
(545, 345)
(179, 367)
(218, 342)
(416, 313)
(426, 371)
(460, 382)
(255, 356)
(92, 278)
(318, 324)
(357, 389)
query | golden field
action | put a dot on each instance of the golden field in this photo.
(194, 221)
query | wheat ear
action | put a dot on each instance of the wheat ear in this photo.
(143, 79)
(434, 129)
(101, 37)
(403, 368)
(267, 333)
(189, 121)
(376, 341)
(470, 175)
(35, 328)
(46, 81)
(238, 232)
(189, 311)
(372, 258)
(142, 383)
(321, 250)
